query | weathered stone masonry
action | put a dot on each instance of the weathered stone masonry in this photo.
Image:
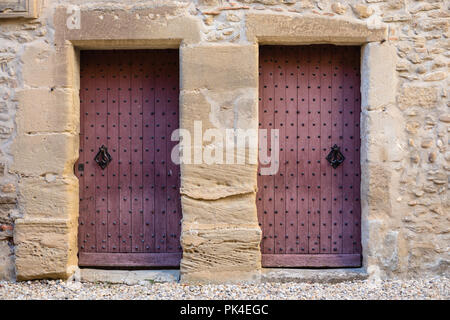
(405, 158)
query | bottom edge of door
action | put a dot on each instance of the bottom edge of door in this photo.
(311, 260)
(94, 259)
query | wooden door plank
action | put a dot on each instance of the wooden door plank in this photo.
(90, 152)
(173, 176)
(260, 178)
(113, 83)
(160, 155)
(101, 133)
(136, 152)
(314, 150)
(348, 151)
(149, 152)
(280, 124)
(357, 153)
(336, 138)
(268, 180)
(291, 152)
(302, 149)
(81, 158)
(325, 144)
(124, 152)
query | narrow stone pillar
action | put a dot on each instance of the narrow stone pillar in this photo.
(220, 232)
(44, 151)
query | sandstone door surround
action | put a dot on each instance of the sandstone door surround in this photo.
(220, 232)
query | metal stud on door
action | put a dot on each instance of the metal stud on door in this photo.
(130, 209)
(309, 211)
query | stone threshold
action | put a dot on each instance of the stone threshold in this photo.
(313, 275)
(130, 277)
(144, 277)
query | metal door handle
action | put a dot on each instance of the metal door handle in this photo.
(103, 158)
(335, 157)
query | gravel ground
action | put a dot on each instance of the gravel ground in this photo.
(430, 288)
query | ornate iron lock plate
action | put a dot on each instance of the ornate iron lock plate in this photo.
(103, 158)
(335, 157)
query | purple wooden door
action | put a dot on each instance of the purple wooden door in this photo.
(130, 211)
(309, 211)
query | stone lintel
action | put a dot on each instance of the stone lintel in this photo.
(146, 26)
(294, 30)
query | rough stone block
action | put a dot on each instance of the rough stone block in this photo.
(362, 11)
(7, 206)
(413, 96)
(424, 258)
(209, 254)
(235, 210)
(219, 110)
(45, 66)
(44, 248)
(44, 153)
(6, 261)
(6, 213)
(44, 110)
(216, 181)
(385, 132)
(379, 192)
(230, 109)
(219, 67)
(49, 197)
(378, 80)
(338, 8)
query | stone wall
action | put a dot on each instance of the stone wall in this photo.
(405, 124)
